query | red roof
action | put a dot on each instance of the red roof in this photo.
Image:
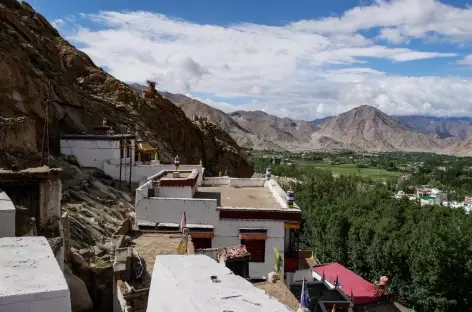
(349, 282)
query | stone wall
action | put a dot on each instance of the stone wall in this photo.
(137, 301)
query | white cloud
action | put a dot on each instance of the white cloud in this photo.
(399, 20)
(303, 70)
(58, 23)
(467, 60)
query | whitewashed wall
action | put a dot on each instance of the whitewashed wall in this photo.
(176, 191)
(246, 182)
(91, 153)
(213, 181)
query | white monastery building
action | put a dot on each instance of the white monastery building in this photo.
(224, 211)
(198, 283)
(116, 153)
(30, 277)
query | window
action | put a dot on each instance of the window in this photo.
(256, 248)
(201, 243)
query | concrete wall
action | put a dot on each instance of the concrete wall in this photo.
(7, 216)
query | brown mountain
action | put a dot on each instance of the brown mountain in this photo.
(367, 128)
(241, 135)
(462, 149)
(460, 127)
(33, 54)
(281, 130)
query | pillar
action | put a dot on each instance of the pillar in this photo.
(49, 200)
(139, 156)
(155, 155)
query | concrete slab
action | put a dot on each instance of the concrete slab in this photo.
(7, 216)
(188, 278)
(30, 277)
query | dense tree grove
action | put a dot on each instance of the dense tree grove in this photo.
(425, 251)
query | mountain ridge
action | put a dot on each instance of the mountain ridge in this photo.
(364, 128)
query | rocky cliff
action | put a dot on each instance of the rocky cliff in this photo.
(35, 56)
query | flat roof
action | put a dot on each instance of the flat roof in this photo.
(29, 271)
(182, 174)
(35, 172)
(111, 137)
(188, 278)
(5, 202)
(150, 245)
(253, 197)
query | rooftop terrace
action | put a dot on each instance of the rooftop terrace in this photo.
(150, 245)
(254, 197)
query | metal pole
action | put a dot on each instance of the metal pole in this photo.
(121, 161)
(130, 165)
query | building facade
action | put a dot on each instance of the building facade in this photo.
(222, 212)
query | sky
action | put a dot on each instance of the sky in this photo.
(303, 59)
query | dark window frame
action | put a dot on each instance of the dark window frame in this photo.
(249, 243)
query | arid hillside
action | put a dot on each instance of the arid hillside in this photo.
(35, 56)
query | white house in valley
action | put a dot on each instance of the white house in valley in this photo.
(224, 211)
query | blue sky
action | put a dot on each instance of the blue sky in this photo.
(303, 59)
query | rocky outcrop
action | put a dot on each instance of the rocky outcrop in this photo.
(38, 64)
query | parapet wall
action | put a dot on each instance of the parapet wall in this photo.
(170, 210)
(237, 182)
(246, 182)
(278, 193)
